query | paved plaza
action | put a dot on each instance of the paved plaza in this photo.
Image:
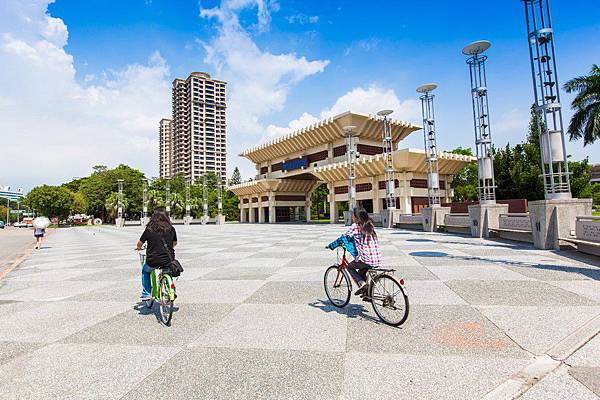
(252, 320)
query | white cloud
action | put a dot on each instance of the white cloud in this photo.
(259, 82)
(368, 100)
(302, 19)
(53, 127)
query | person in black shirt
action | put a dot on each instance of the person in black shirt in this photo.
(159, 232)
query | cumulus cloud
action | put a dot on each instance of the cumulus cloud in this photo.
(368, 100)
(53, 127)
(259, 82)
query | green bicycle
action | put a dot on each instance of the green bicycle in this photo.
(163, 291)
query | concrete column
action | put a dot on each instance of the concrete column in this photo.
(433, 217)
(307, 206)
(261, 214)
(375, 195)
(485, 217)
(242, 214)
(272, 210)
(333, 210)
(251, 214)
(552, 220)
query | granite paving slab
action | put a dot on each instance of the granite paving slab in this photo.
(407, 375)
(515, 293)
(220, 373)
(54, 372)
(288, 293)
(278, 327)
(140, 326)
(559, 385)
(538, 329)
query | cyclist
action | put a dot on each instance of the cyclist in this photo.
(367, 254)
(160, 237)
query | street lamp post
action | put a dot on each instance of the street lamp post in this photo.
(481, 120)
(145, 203)
(187, 202)
(548, 229)
(430, 140)
(388, 151)
(120, 221)
(168, 197)
(350, 160)
(484, 216)
(205, 199)
(540, 35)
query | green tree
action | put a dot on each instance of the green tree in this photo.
(80, 203)
(112, 205)
(236, 177)
(318, 200)
(465, 182)
(51, 201)
(586, 120)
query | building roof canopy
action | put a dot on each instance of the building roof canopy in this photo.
(327, 131)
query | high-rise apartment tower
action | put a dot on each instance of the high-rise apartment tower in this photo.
(165, 135)
(199, 126)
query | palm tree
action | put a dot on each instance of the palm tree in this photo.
(586, 120)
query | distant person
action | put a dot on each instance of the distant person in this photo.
(160, 238)
(38, 233)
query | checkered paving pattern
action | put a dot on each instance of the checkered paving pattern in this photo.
(252, 319)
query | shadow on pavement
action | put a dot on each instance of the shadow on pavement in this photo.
(350, 311)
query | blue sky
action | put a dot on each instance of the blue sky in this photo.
(338, 51)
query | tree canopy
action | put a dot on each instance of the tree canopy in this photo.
(585, 123)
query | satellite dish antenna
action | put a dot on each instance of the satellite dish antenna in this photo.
(426, 88)
(477, 47)
(384, 113)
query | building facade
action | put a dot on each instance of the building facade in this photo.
(165, 135)
(291, 167)
(199, 128)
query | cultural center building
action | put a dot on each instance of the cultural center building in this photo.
(291, 167)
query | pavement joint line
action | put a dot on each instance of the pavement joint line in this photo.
(533, 373)
(576, 340)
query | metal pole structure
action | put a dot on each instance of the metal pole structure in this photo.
(430, 140)
(187, 200)
(350, 160)
(388, 152)
(145, 202)
(120, 199)
(205, 198)
(481, 121)
(540, 36)
(168, 197)
(220, 192)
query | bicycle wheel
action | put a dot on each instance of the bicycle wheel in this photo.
(165, 300)
(389, 299)
(337, 286)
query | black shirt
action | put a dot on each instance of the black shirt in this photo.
(156, 254)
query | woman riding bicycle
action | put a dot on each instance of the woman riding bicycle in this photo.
(161, 239)
(367, 254)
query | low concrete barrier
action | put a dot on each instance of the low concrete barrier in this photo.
(457, 223)
(409, 221)
(515, 226)
(587, 235)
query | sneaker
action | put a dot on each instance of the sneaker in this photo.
(362, 290)
(145, 297)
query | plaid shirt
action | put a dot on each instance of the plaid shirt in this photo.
(367, 246)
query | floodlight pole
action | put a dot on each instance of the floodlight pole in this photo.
(168, 197)
(120, 199)
(145, 202)
(540, 36)
(187, 200)
(205, 198)
(481, 122)
(350, 160)
(430, 141)
(388, 152)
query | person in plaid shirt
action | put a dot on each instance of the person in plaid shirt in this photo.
(365, 239)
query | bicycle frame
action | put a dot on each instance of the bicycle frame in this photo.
(342, 264)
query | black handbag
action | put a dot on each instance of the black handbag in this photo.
(176, 267)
